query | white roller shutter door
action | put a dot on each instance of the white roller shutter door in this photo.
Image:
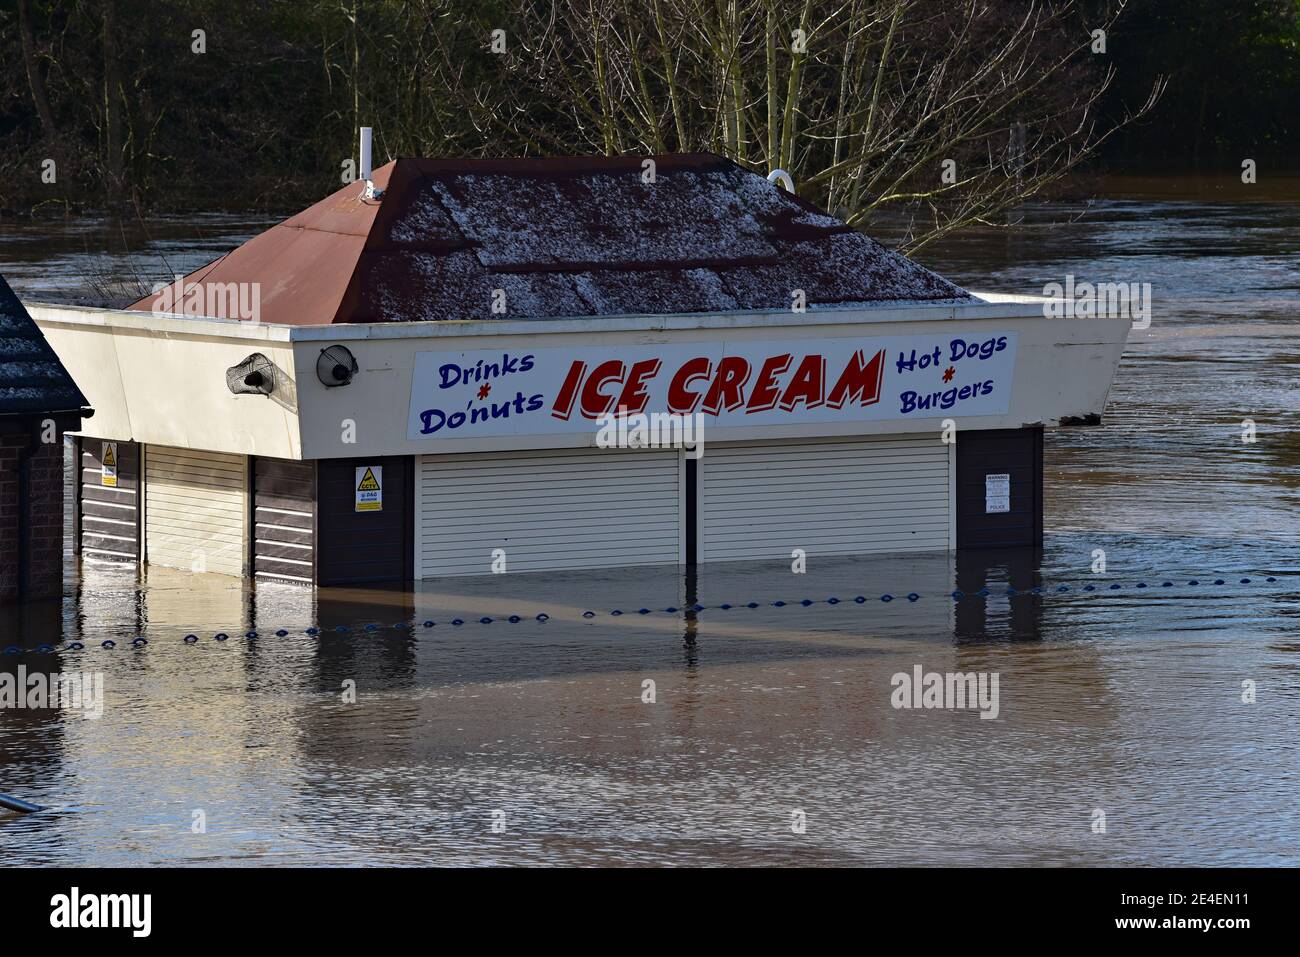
(585, 508)
(196, 509)
(843, 496)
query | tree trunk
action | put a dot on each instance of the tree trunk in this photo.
(1200, 124)
(113, 178)
(356, 68)
(34, 78)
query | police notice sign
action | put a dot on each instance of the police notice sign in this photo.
(370, 488)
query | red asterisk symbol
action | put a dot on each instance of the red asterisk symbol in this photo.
(947, 375)
(484, 389)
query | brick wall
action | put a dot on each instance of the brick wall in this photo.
(9, 446)
(45, 521)
(44, 555)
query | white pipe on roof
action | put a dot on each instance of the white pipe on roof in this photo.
(365, 170)
(368, 191)
(786, 179)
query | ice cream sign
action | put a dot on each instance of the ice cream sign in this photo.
(491, 392)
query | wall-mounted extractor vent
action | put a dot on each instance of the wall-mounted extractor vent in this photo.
(254, 376)
(335, 366)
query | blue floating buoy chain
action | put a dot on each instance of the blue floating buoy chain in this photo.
(957, 595)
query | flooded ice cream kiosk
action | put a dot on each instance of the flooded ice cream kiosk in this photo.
(574, 365)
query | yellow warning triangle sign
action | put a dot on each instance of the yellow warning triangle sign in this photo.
(368, 482)
(109, 458)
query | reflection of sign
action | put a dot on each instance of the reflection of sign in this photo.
(370, 488)
(745, 382)
(108, 465)
(997, 493)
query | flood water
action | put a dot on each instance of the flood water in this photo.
(771, 738)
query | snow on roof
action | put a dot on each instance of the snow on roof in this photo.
(566, 237)
(32, 379)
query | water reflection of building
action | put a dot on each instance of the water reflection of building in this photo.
(32, 740)
(382, 654)
(999, 596)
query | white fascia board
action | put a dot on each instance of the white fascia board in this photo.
(991, 306)
(159, 324)
(1003, 307)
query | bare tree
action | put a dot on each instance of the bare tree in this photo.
(953, 111)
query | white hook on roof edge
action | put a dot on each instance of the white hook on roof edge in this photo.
(786, 179)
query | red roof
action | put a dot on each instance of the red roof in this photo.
(565, 237)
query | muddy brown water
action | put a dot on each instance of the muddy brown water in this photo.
(1125, 702)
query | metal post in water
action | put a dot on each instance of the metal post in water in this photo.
(22, 807)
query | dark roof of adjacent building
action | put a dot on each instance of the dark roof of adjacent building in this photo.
(566, 237)
(32, 379)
